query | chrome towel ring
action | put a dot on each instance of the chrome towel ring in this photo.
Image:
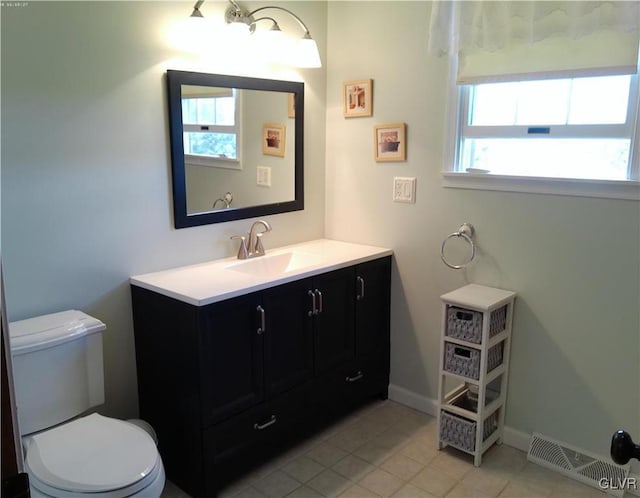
(465, 231)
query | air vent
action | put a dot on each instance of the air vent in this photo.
(578, 464)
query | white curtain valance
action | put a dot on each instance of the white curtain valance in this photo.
(512, 40)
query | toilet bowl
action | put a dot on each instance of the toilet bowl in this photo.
(58, 375)
(93, 456)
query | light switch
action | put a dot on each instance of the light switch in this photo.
(263, 177)
(404, 189)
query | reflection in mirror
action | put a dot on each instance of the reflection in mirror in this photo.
(224, 149)
(236, 147)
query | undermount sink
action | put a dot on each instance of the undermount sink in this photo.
(277, 264)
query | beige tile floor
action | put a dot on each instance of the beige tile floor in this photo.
(389, 450)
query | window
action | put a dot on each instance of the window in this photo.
(211, 130)
(575, 128)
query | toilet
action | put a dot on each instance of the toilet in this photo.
(58, 375)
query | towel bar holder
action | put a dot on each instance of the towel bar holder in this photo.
(466, 232)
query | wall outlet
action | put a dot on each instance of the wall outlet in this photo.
(404, 189)
(263, 176)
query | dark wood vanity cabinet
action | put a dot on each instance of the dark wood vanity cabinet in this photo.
(232, 381)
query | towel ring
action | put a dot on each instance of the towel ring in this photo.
(465, 231)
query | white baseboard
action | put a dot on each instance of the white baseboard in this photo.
(516, 439)
(413, 400)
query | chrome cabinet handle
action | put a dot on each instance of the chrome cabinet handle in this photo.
(263, 325)
(320, 307)
(270, 422)
(360, 295)
(357, 377)
(313, 311)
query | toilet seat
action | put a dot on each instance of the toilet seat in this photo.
(95, 455)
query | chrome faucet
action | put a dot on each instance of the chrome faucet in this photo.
(255, 238)
(251, 246)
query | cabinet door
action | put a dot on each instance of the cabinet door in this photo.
(288, 338)
(231, 357)
(334, 323)
(373, 281)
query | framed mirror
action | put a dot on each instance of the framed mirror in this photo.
(236, 147)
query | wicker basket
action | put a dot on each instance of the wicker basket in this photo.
(497, 321)
(466, 324)
(465, 361)
(461, 432)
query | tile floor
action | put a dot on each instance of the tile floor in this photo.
(389, 450)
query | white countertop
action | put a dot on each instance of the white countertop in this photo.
(207, 283)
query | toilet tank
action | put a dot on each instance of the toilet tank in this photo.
(57, 367)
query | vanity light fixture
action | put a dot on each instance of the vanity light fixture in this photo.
(243, 21)
(196, 9)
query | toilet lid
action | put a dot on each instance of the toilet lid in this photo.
(91, 454)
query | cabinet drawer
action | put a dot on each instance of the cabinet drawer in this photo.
(350, 384)
(259, 425)
(368, 376)
(234, 434)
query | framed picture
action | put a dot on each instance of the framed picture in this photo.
(273, 139)
(357, 98)
(390, 142)
(291, 105)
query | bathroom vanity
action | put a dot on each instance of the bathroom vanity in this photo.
(237, 359)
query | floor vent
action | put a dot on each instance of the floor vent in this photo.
(577, 464)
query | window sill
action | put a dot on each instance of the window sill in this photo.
(609, 189)
(212, 162)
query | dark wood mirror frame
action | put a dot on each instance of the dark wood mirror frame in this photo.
(175, 80)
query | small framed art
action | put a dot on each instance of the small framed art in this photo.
(390, 142)
(357, 97)
(273, 139)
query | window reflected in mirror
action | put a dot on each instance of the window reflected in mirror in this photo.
(211, 124)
